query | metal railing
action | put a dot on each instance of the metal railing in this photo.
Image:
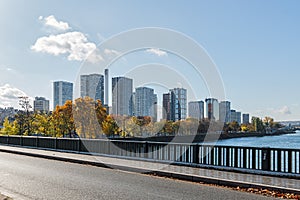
(235, 157)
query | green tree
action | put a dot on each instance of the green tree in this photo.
(258, 124)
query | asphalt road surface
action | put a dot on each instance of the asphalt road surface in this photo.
(23, 177)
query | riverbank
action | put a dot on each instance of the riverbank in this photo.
(204, 137)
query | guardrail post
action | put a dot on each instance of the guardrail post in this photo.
(37, 141)
(146, 150)
(279, 161)
(196, 153)
(78, 145)
(21, 140)
(290, 161)
(266, 158)
(55, 143)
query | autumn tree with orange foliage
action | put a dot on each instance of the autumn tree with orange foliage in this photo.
(89, 116)
(63, 120)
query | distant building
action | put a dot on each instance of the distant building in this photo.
(212, 108)
(122, 102)
(92, 85)
(8, 112)
(196, 109)
(235, 116)
(145, 102)
(62, 91)
(178, 104)
(175, 104)
(224, 111)
(246, 119)
(166, 112)
(106, 86)
(41, 104)
(154, 117)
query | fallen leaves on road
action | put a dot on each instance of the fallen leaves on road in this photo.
(266, 192)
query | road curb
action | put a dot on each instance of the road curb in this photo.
(179, 176)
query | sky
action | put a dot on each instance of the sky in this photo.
(254, 44)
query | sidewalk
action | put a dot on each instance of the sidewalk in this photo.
(219, 177)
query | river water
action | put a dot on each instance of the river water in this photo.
(279, 141)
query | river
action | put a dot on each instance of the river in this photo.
(279, 141)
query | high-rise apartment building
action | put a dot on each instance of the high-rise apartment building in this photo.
(41, 104)
(154, 118)
(235, 116)
(92, 85)
(224, 111)
(212, 109)
(196, 109)
(122, 99)
(106, 86)
(246, 118)
(175, 104)
(166, 111)
(145, 102)
(62, 91)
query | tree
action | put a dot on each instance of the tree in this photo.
(258, 124)
(63, 120)
(131, 127)
(203, 126)
(142, 122)
(188, 127)
(169, 128)
(88, 117)
(110, 127)
(234, 126)
(42, 124)
(9, 128)
(24, 117)
(268, 122)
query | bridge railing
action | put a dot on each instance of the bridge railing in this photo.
(235, 157)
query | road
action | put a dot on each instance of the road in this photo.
(24, 177)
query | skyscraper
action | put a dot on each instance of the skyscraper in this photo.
(41, 104)
(224, 111)
(196, 109)
(122, 102)
(246, 118)
(212, 109)
(166, 111)
(106, 94)
(62, 91)
(235, 116)
(154, 118)
(92, 85)
(145, 102)
(178, 104)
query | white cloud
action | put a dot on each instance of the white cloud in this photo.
(111, 52)
(157, 52)
(8, 69)
(50, 21)
(285, 110)
(9, 95)
(74, 44)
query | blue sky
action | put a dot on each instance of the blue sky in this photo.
(255, 45)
